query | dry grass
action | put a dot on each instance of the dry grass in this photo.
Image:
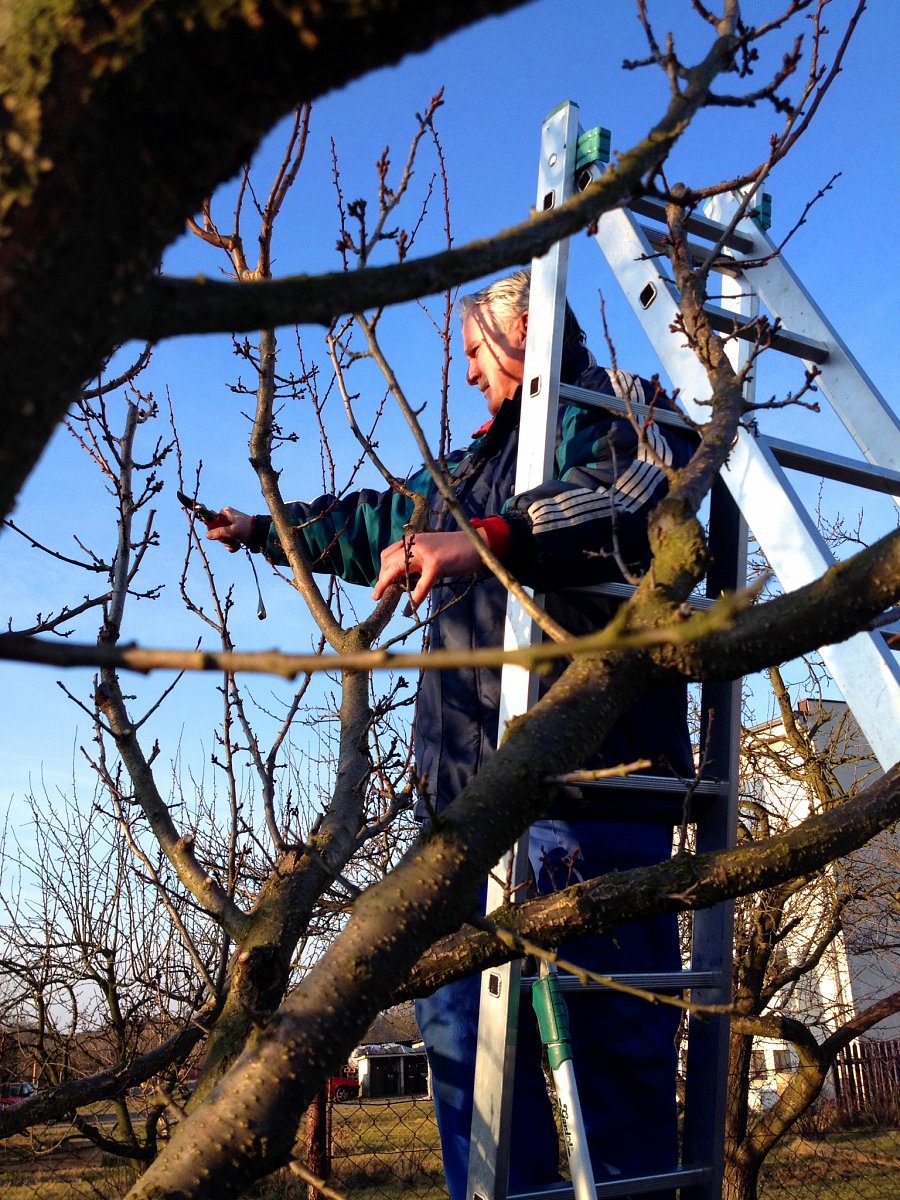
(387, 1148)
(856, 1164)
(74, 1173)
(390, 1151)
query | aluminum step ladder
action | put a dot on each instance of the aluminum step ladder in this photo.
(753, 490)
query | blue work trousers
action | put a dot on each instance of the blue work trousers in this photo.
(623, 1048)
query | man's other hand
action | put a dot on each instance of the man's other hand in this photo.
(420, 561)
(234, 530)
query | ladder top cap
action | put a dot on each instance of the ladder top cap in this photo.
(563, 104)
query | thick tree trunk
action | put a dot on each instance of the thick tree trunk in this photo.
(740, 1180)
(116, 123)
(741, 1169)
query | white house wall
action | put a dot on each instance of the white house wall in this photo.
(855, 970)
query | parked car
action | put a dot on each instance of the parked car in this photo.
(343, 1087)
(16, 1093)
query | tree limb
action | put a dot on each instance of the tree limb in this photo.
(686, 882)
(106, 152)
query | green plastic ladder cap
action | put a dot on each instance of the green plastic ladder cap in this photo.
(561, 105)
(762, 213)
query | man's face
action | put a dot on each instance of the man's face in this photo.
(495, 356)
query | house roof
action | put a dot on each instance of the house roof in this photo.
(397, 1024)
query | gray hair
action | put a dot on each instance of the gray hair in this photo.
(507, 298)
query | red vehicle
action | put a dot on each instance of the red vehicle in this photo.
(343, 1087)
(16, 1093)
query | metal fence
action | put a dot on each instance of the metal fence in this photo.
(385, 1147)
(848, 1164)
(388, 1148)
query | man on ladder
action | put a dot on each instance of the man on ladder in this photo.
(584, 527)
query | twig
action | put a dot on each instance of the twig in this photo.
(619, 772)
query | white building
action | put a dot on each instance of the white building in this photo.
(843, 925)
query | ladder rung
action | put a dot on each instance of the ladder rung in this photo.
(789, 454)
(700, 226)
(834, 466)
(725, 264)
(783, 340)
(644, 1185)
(662, 416)
(726, 321)
(624, 591)
(649, 981)
(659, 783)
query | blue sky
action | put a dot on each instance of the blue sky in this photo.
(500, 80)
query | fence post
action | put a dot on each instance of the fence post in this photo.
(318, 1159)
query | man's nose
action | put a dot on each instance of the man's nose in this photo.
(472, 373)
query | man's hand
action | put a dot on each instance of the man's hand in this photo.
(234, 531)
(423, 559)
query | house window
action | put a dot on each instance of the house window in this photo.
(782, 1060)
(758, 1068)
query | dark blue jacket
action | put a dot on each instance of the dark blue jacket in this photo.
(567, 534)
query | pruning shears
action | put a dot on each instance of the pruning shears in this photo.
(215, 520)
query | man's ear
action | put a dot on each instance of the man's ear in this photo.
(519, 330)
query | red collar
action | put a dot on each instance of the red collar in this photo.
(484, 428)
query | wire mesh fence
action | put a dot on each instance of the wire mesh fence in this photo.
(388, 1148)
(847, 1145)
(385, 1147)
(842, 1164)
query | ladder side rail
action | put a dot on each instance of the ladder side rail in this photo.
(858, 403)
(547, 299)
(500, 989)
(741, 307)
(840, 364)
(861, 666)
(634, 264)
